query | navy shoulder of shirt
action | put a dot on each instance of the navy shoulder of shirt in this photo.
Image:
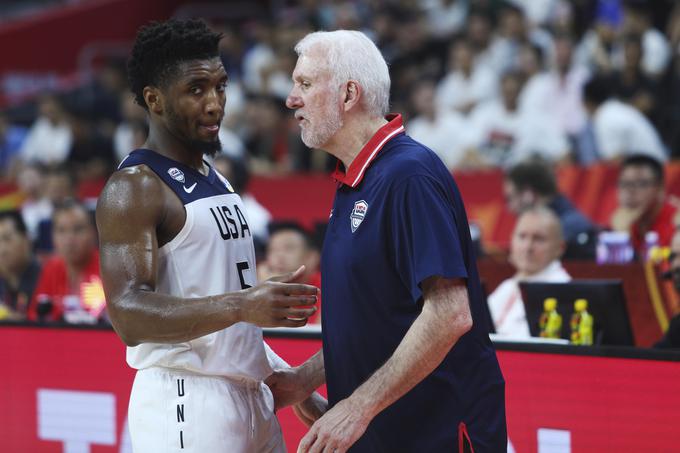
(187, 183)
(397, 220)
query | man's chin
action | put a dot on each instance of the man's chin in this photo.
(208, 147)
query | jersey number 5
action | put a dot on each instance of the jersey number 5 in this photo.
(242, 266)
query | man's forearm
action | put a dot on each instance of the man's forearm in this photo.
(444, 319)
(147, 316)
(313, 372)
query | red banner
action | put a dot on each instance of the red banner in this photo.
(67, 390)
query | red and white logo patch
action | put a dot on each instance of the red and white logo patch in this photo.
(358, 214)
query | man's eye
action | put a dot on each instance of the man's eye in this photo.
(195, 90)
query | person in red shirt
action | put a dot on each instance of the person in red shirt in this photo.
(643, 205)
(291, 246)
(69, 288)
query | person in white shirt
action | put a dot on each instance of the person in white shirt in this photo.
(558, 92)
(505, 135)
(443, 131)
(536, 247)
(50, 137)
(466, 84)
(619, 129)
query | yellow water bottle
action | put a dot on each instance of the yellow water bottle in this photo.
(581, 324)
(550, 322)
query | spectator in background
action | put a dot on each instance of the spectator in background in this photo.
(655, 49)
(513, 33)
(631, 84)
(91, 154)
(19, 269)
(671, 339)
(642, 203)
(131, 132)
(291, 246)
(445, 17)
(535, 251)
(616, 129)
(50, 137)
(443, 131)
(465, 84)
(599, 46)
(479, 33)
(558, 92)
(36, 206)
(272, 146)
(11, 140)
(532, 184)
(70, 281)
(238, 174)
(504, 135)
(60, 185)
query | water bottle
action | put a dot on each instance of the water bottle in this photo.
(581, 324)
(550, 322)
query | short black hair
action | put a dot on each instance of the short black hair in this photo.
(291, 225)
(70, 204)
(597, 90)
(160, 47)
(644, 160)
(534, 175)
(17, 220)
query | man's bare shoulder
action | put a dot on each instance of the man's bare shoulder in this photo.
(132, 190)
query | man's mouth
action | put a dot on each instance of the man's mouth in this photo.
(211, 128)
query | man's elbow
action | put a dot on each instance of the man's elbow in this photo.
(463, 323)
(124, 328)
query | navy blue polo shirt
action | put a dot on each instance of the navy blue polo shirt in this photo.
(398, 219)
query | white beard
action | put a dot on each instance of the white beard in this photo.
(318, 135)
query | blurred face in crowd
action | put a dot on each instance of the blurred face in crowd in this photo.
(15, 248)
(517, 200)
(423, 99)
(287, 250)
(536, 242)
(462, 56)
(31, 181)
(316, 99)
(73, 235)
(58, 187)
(563, 53)
(638, 189)
(510, 87)
(50, 109)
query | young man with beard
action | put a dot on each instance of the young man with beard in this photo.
(406, 358)
(178, 263)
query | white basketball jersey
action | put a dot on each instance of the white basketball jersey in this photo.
(212, 254)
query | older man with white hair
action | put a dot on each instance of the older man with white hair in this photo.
(536, 247)
(406, 357)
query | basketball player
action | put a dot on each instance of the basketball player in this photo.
(178, 263)
(406, 358)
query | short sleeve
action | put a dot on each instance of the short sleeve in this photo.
(425, 233)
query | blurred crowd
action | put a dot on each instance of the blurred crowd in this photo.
(521, 85)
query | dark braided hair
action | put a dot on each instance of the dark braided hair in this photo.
(160, 47)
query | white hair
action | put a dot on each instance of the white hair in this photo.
(351, 55)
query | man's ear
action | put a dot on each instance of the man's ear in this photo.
(153, 99)
(353, 93)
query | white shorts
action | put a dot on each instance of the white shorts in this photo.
(177, 411)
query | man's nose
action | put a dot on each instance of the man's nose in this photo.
(293, 101)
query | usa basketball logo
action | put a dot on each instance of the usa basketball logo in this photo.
(358, 214)
(176, 174)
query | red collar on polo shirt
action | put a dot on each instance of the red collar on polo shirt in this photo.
(358, 167)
